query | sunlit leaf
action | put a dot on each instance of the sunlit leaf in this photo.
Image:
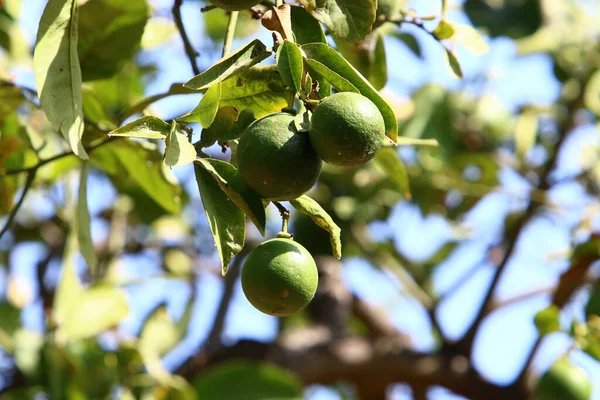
(547, 321)
(179, 150)
(290, 65)
(310, 207)
(206, 111)
(226, 220)
(147, 127)
(57, 71)
(237, 191)
(468, 37)
(248, 55)
(83, 222)
(526, 132)
(453, 64)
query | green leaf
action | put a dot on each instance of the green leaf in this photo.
(310, 207)
(444, 30)
(349, 19)
(290, 65)
(592, 93)
(83, 222)
(526, 131)
(10, 322)
(94, 110)
(226, 220)
(515, 19)
(247, 56)
(468, 37)
(305, 27)
(330, 76)
(548, 320)
(228, 125)
(57, 71)
(334, 61)
(368, 57)
(110, 32)
(452, 62)
(258, 89)
(147, 127)
(256, 381)
(237, 191)
(410, 42)
(179, 151)
(137, 168)
(93, 311)
(206, 111)
(389, 161)
(27, 350)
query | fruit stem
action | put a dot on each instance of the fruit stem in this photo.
(233, 17)
(285, 217)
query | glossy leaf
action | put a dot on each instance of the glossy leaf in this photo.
(247, 56)
(237, 191)
(290, 65)
(255, 381)
(306, 29)
(58, 73)
(226, 220)
(147, 127)
(349, 19)
(179, 150)
(330, 76)
(310, 207)
(206, 111)
(334, 61)
(83, 222)
(103, 52)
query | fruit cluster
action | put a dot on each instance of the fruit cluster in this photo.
(281, 163)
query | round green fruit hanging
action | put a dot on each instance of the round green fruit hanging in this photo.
(564, 381)
(234, 5)
(276, 160)
(347, 129)
(279, 277)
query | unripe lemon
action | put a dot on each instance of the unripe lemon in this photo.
(347, 129)
(564, 381)
(234, 5)
(279, 277)
(276, 160)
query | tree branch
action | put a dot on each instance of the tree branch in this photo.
(13, 212)
(189, 49)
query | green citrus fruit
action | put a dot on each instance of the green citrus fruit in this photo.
(279, 277)
(593, 305)
(234, 5)
(275, 160)
(564, 381)
(347, 129)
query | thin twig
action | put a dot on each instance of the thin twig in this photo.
(189, 49)
(230, 33)
(13, 213)
(56, 157)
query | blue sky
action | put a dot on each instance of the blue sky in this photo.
(500, 348)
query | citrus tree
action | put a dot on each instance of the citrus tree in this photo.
(300, 159)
